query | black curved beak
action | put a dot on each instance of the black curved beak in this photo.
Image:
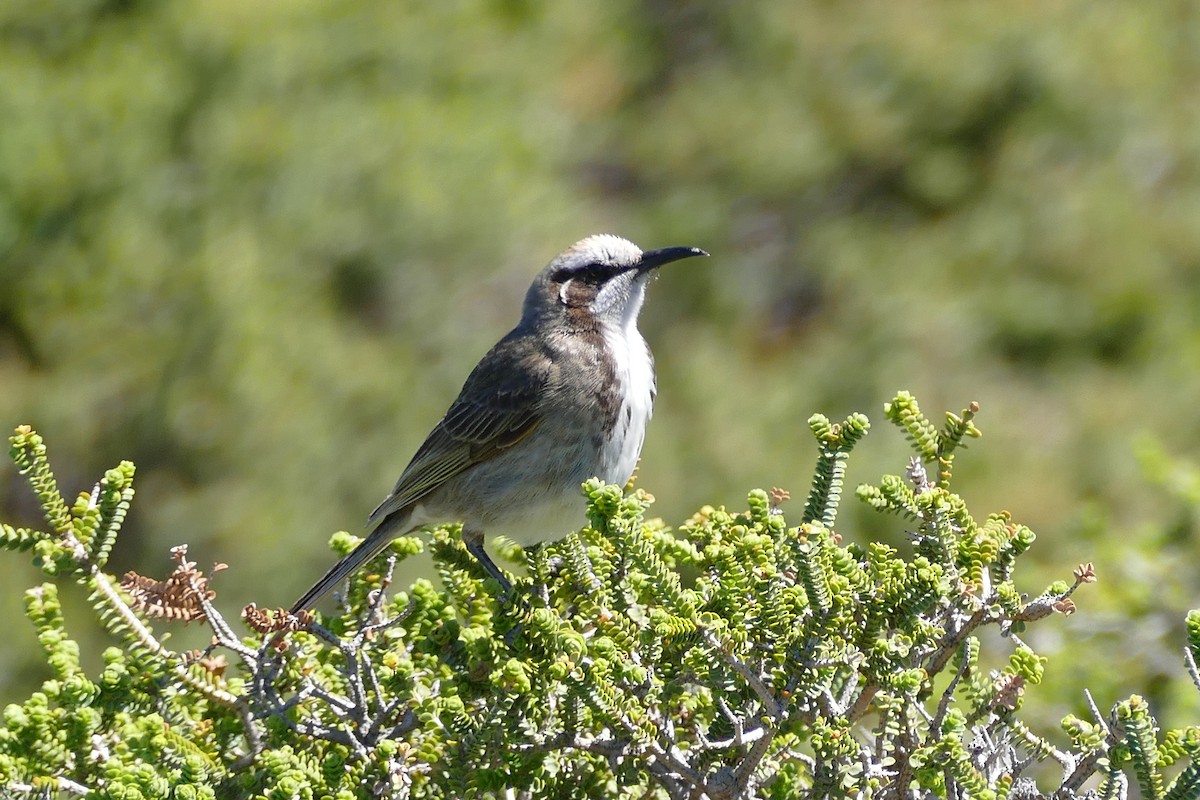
(652, 259)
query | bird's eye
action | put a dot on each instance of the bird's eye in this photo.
(593, 274)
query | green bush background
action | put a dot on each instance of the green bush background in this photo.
(256, 247)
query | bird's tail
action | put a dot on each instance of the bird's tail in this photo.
(392, 526)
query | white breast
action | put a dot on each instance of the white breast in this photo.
(635, 373)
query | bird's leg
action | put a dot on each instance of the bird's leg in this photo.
(513, 609)
(473, 539)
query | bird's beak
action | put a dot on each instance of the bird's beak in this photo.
(652, 259)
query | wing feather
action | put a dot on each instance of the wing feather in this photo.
(496, 408)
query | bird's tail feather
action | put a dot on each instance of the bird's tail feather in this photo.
(392, 526)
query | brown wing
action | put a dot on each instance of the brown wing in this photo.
(497, 407)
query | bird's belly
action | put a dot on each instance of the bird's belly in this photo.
(544, 521)
(530, 493)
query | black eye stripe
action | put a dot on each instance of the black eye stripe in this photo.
(594, 274)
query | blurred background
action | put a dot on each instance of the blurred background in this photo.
(257, 247)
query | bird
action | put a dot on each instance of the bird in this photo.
(564, 397)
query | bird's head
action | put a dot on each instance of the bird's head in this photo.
(601, 278)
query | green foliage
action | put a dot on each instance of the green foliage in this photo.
(28, 452)
(835, 442)
(742, 657)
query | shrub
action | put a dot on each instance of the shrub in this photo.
(742, 655)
